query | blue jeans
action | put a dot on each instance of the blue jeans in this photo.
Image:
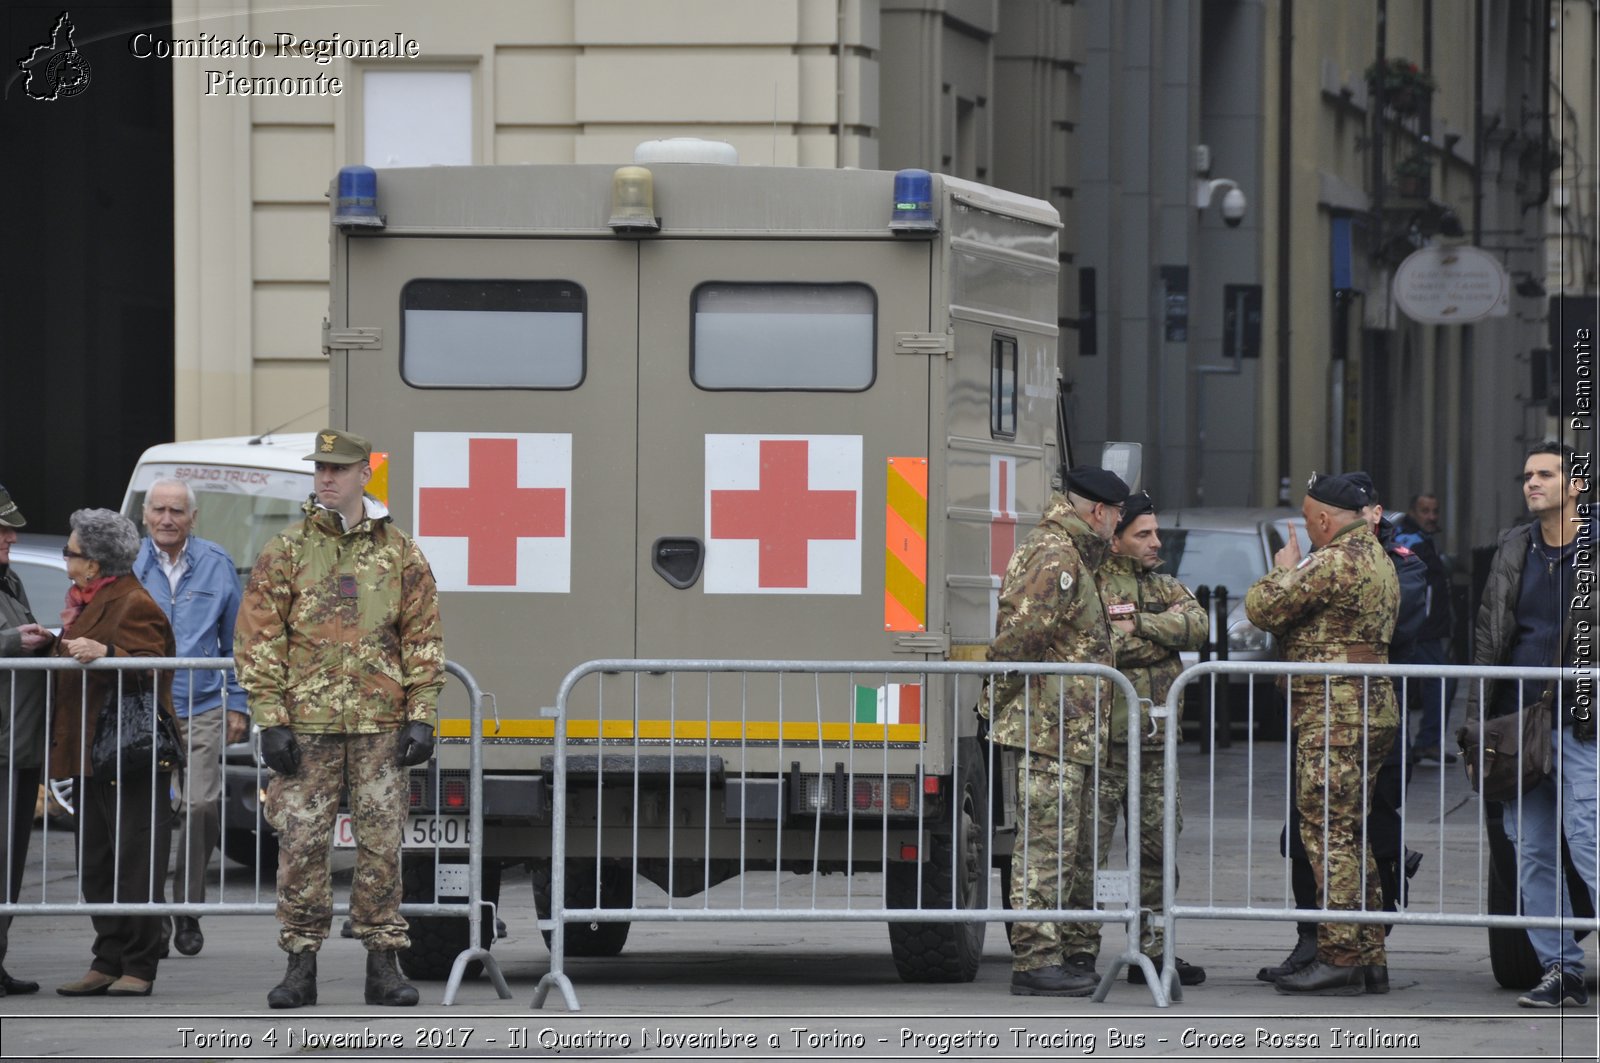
(1564, 803)
(1428, 699)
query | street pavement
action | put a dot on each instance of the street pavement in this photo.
(829, 990)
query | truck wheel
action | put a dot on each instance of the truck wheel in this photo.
(945, 952)
(587, 939)
(1511, 955)
(437, 940)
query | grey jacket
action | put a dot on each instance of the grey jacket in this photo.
(21, 729)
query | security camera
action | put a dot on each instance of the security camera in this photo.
(1233, 207)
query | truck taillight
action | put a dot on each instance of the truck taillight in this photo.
(867, 795)
(415, 793)
(455, 793)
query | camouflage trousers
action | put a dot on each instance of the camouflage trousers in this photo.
(1112, 802)
(303, 808)
(1333, 788)
(1057, 810)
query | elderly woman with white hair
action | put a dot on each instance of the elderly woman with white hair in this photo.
(109, 614)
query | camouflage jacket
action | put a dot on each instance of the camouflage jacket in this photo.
(1050, 611)
(1339, 604)
(1166, 619)
(338, 632)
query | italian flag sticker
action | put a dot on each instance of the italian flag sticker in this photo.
(895, 703)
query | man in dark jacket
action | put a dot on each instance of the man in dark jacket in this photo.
(1534, 602)
(1429, 699)
(22, 698)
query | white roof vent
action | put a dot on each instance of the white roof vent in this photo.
(686, 149)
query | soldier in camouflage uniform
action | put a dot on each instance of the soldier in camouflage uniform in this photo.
(339, 649)
(1050, 611)
(1153, 618)
(1337, 605)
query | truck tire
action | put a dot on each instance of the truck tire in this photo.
(437, 940)
(588, 940)
(945, 952)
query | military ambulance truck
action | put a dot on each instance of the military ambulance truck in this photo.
(690, 410)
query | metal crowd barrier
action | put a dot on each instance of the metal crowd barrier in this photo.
(637, 801)
(259, 900)
(1242, 891)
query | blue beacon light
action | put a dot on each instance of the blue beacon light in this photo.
(356, 201)
(913, 203)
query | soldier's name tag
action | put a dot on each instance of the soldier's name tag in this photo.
(1121, 609)
(347, 586)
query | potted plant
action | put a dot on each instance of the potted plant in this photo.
(1413, 176)
(1406, 86)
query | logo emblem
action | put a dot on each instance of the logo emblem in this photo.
(1066, 582)
(327, 443)
(56, 70)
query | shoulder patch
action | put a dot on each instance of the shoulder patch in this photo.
(1066, 582)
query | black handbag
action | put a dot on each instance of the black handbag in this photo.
(125, 733)
(1514, 751)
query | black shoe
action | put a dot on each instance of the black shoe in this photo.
(186, 935)
(1376, 976)
(1053, 981)
(1303, 956)
(1326, 980)
(1426, 755)
(15, 987)
(1188, 973)
(385, 985)
(299, 985)
(1556, 989)
(1081, 963)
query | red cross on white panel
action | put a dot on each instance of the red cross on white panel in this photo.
(783, 514)
(493, 510)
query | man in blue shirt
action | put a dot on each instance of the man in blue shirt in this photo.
(195, 583)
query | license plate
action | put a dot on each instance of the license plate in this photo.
(419, 832)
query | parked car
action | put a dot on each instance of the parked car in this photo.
(1231, 548)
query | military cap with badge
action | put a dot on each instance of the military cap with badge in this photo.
(1096, 484)
(336, 447)
(1343, 491)
(10, 515)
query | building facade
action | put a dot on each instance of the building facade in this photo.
(1243, 352)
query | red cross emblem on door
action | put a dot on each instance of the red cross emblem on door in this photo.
(805, 492)
(494, 511)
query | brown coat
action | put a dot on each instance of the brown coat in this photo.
(131, 624)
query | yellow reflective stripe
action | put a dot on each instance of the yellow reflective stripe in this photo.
(693, 730)
(905, 570)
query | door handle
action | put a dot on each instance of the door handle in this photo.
(678, 560)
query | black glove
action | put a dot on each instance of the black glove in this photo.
(416, 744)
(280, 751)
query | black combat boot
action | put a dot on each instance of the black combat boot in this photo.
(1303, 956)
(299, 985)
(384, 983)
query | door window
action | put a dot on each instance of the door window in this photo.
(783, 337)
(492, 334)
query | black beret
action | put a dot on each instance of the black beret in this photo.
(1340, 492)
(1139, 503)
(1364, 481)
(1097, 485)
